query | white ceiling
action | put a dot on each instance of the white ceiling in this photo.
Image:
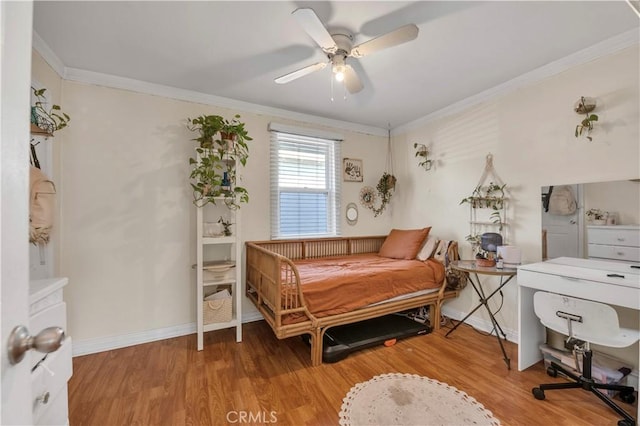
(235, 49)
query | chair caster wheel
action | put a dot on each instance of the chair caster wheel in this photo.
(552, 372)
(538, 393)
(625, 422)
(629, 398)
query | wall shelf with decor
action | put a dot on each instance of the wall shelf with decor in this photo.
(222, 149)
(218, 271)
(488, 207)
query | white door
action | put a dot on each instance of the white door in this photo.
(563, 232)
(15, 78)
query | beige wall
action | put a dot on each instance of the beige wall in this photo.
(619, 197)
(530, 133)
(127, 235)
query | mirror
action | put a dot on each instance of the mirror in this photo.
(564, 232)
(352, 214)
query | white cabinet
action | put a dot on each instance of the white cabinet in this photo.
(50, 372)
(218, 268)
(614, 242)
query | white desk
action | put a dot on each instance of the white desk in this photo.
(609, 282)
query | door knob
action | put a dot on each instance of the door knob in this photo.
(48, 340)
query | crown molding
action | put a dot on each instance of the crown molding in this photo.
(112, 81)
(116, 82)
(598, 50)
(47, 54)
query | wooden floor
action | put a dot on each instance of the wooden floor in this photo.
(270, 381)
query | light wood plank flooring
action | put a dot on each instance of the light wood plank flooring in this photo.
(170, 383)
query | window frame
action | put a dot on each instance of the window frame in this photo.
(331, 149)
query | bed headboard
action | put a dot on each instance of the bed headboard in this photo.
(323, 247)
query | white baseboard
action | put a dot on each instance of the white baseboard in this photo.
(480, 324)
(101, 344)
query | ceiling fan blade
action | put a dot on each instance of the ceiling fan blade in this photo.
(401, 35)
(300, 73)
(315, 28)
(351, 80)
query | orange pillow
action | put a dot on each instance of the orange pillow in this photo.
(403, 243)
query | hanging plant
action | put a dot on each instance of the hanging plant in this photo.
(585, 106)
(385, 187)
(383, 190)
(423, 154)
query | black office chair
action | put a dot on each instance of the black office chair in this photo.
(585, 322)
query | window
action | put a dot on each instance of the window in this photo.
(305, 186)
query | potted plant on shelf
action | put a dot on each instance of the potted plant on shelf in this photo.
(233, 132)
(47, 121)
(491, 196)
(214, 171)
(226, 225)
(596, 216)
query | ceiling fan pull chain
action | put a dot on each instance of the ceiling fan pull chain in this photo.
(389, 165)
(331, 89)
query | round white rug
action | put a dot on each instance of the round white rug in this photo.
(409, 399)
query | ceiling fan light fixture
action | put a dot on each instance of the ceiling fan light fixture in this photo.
(338, 68)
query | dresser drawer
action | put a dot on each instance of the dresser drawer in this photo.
(49, 386)
(53, 316)
(627, 254)
(614, 236)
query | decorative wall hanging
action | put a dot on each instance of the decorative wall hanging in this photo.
(352, 170)
(385, 187)
(585, 106)
(423, 154)
(487, 208)
(352, 214)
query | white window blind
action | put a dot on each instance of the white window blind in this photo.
(305, 186)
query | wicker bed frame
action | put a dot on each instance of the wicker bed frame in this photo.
(273, 285)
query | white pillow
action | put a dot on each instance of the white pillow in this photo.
(428, 248)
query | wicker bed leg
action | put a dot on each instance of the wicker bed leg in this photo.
(435, 316)
(316, 348)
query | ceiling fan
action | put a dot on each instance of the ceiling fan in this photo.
(338, 48)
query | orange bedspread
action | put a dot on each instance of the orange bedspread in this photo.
(342, 284)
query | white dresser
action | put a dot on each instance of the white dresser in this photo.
(50, 372)
(614, 242)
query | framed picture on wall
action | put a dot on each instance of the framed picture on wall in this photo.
(352, 170)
